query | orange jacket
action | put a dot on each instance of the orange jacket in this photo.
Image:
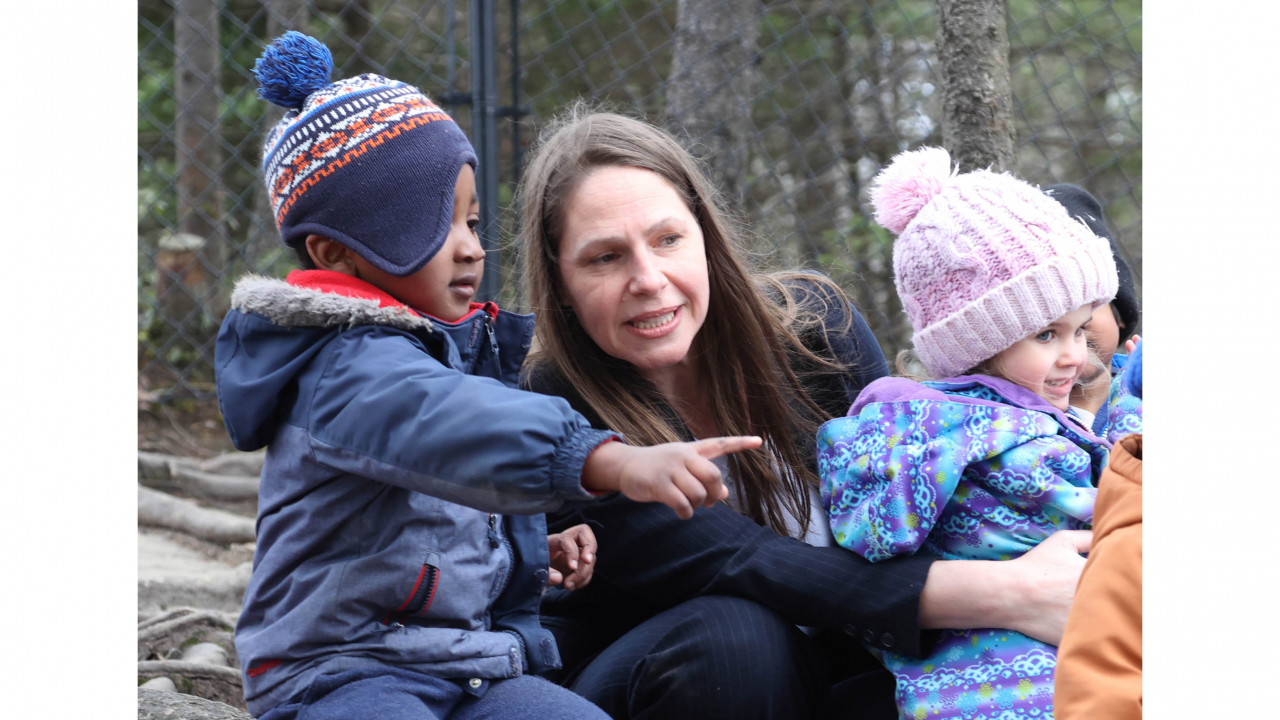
(1099, 674)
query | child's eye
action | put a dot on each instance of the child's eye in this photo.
(473, 223)
(1045, 336)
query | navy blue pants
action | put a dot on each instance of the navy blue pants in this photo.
(390, 693)
(720, 657)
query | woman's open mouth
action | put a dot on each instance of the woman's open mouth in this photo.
(655, 324)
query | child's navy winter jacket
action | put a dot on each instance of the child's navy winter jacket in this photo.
(392, 440)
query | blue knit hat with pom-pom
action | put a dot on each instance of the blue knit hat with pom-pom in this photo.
(368, 161)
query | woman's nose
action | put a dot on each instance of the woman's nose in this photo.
(647, 277)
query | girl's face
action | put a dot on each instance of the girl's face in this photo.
(1049, 362)
(633, 267)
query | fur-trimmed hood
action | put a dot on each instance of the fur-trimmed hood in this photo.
(276, 328)
(342, 304)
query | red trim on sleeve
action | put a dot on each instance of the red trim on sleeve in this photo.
(257, 670)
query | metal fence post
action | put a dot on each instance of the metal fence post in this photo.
(484, 134)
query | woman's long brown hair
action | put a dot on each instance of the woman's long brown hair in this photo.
(742, 351)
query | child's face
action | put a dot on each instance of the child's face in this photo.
(1049, 362)
(445, 286)
(1104, 336)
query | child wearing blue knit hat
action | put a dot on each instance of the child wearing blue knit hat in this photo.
(401, 549)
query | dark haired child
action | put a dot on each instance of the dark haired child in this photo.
(401, 550)
(1099, 397)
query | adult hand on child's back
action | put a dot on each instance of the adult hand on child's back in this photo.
(678, 475)
(1049, 574)
(573, 557)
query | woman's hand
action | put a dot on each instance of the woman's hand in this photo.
(573, 557)
(1031, 594)
(1050, 573)
(678, 475)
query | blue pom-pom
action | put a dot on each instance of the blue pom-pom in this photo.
(291, 68)
(1133, 372)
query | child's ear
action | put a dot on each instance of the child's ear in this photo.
(329, 254)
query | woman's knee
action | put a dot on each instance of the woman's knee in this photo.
(735, 657)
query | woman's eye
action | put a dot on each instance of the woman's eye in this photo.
(1045, 336)
(669, 240)
(605, 258)
(473, 223)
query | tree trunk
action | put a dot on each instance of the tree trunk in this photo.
(973, 46)
(711, 86)
(836, 183)
(197, 138)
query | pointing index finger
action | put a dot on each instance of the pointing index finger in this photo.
(712, 448)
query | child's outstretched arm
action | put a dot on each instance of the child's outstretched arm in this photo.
(396, 414)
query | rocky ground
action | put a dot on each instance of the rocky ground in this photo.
(195, 552)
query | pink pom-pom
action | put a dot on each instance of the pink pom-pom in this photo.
(907, 185)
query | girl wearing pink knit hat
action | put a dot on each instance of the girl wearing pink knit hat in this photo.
(985, 461)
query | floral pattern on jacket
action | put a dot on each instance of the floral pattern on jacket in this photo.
(966, 468)
(1122, 412)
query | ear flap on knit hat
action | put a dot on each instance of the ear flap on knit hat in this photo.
(908, 184)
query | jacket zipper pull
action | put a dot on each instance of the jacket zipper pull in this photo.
(493, 531)
(493, 341)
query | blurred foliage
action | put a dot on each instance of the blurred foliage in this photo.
(840, 87)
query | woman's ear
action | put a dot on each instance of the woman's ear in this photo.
(330, 254)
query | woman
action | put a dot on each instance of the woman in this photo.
(650, 323)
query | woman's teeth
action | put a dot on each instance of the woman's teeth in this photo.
(654, 322)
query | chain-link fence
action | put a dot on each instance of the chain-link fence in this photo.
(794, 105)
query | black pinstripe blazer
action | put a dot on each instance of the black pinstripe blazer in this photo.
(650, 560)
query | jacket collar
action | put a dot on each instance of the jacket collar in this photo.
(324, 298)
(306, 300)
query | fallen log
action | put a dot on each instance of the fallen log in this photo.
(161, 636)
(169, 472)
(235, 463)
(159, 705)
(164, 510)
(211, 682)
(224, 591)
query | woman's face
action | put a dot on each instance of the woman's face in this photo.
(633, 266)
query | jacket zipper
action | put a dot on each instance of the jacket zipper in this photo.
(420, 598)
(496, 538)
(493, 342)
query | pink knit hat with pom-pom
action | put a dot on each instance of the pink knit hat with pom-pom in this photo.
(983, 259)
